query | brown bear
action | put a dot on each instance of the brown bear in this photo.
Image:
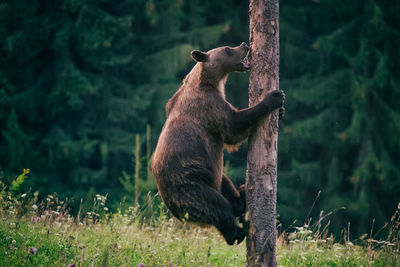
(188, 160)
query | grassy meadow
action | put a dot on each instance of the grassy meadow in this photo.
(44, 233)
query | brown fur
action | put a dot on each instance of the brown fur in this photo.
(188, 160)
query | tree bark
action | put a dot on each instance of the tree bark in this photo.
(261, 173)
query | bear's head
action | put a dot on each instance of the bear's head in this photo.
(223, 60)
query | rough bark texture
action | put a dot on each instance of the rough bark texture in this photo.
(263, 142)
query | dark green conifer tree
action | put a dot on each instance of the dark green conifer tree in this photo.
(78, 80)
(342, 129)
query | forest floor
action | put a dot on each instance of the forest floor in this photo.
(45, 234)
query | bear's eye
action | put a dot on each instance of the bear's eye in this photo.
(228, 51)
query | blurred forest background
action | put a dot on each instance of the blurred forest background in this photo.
(80, 78)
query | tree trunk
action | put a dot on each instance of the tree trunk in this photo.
(263, 142)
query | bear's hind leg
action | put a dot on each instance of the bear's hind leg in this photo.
(203, 204)
(236, 198)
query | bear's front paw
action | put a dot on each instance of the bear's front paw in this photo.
(281, 112)
(275, 99)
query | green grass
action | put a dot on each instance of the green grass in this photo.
(123, 241)
(127, 238)
(316, 253)
(114, 242)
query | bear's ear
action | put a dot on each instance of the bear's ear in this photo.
(199, 56)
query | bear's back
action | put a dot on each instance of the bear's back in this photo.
(190, 140)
